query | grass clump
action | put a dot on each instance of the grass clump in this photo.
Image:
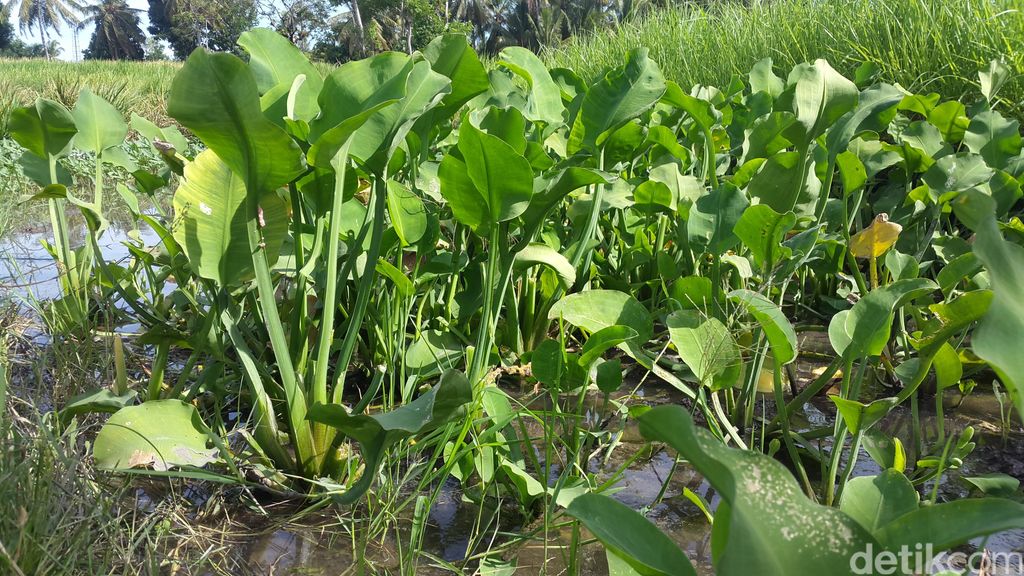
(924, 45)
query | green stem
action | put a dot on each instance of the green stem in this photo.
(156, 378)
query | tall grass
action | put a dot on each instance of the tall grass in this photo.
(925, 45)
(139, 87)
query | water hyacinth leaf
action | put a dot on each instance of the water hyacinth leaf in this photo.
(707, 348)
(159, 434)
(275, 62)
(535, 254)
(100, 125)
(44, 128)
(996, 336)
(713, 218)
(701, 111)
(462, 196)
(215, 96)
(594, 310)
(762, 230)
(957, 173)
(874, 501)
(949, 369)
(902, 266)
(765, 525)
(821, 97)
(776, 326)
(873, 241)
(630, 536)
(378, 432)
(210, 221)
(619, 96)
(408, 215)
(545, 97)
(452, 56)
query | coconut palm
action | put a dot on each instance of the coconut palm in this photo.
(118, 35)
(44, 15)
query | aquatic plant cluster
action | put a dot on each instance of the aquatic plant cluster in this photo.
(354, 261)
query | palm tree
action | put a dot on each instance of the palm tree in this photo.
(44, 15)
(118, 35)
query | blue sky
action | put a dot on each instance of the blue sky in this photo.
(66, 35)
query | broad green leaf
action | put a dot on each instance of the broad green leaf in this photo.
(995, 484)
(608, 375)
(707, 348)
(160, 434)
(763, 79)
(776, 327)
(433, 352)
(398, 87)
(215, 96)
(859, 416)
(468, 206)
(951, 119)
(545, 99)
(874, 501)
(408, 214)
(44, 128)
(535, 253)
(875, 109)
(375, 433)
(550, 188)
(102, 400)
(402, 283)
(993, 79)
(452, 56)
(865, 328)
(764, 524)
(762, 230)
(957, 173)
(100, 125)
(594, 310)
(503, 179)
(713, 218)
(630, 536)
(210, 221)
(769, 135)
(951, 524)
(599, 342)
(996, 336)
(548, 363)
(822, 96)
(990, 135)
(276, 62)
(777, 184)
(619, 96)
(948, 368)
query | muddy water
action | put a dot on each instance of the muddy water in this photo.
(27, 270)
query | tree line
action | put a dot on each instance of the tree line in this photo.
(329, 30)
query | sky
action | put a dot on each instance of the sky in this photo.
(66, 35)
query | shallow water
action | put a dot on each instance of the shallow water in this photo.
(320, 547)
